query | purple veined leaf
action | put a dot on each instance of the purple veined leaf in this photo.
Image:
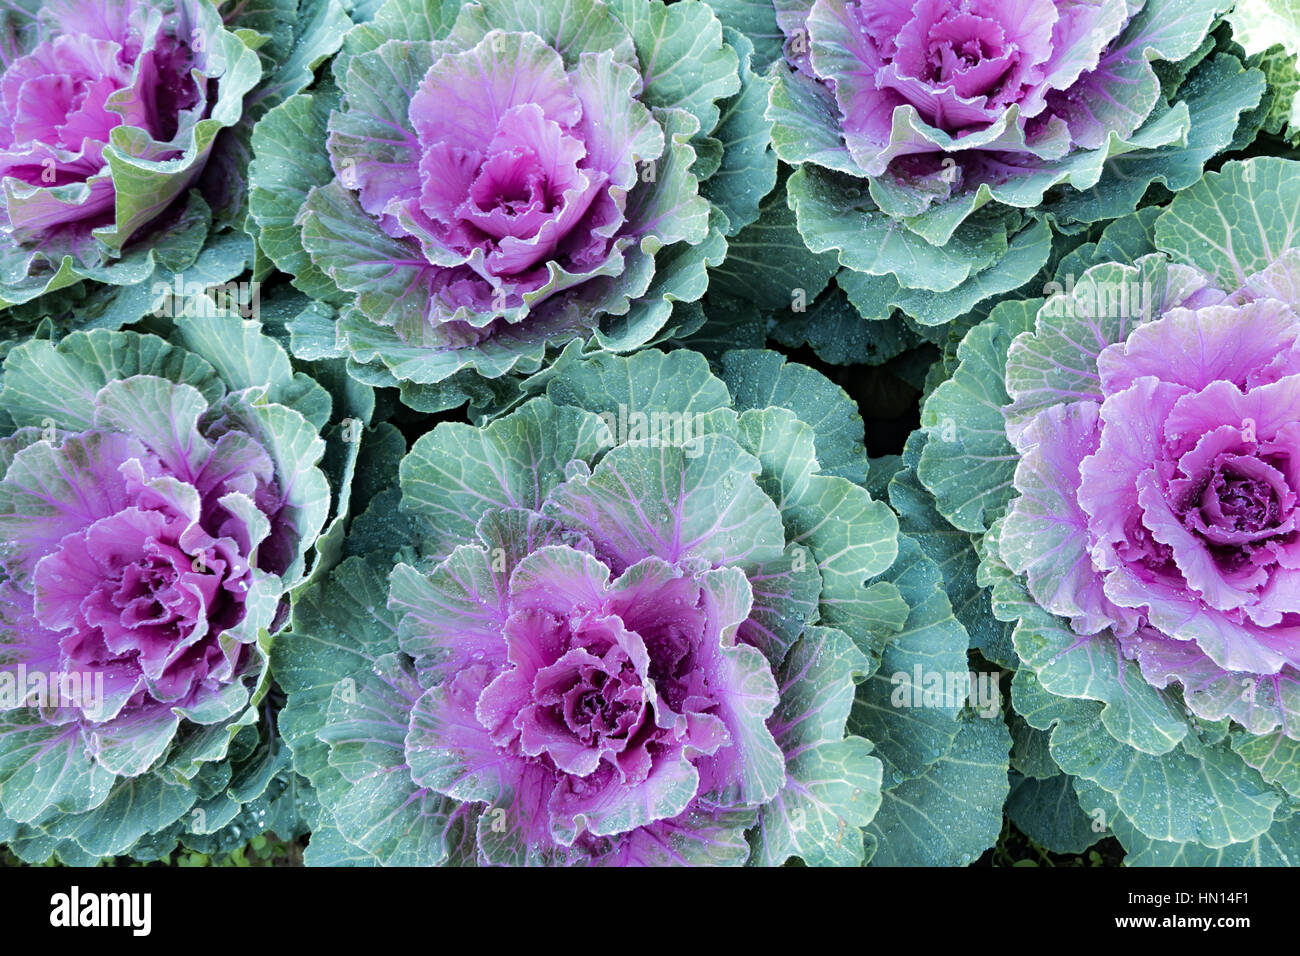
(1259, 702)
(46, 765)
(785, 591)
(456, 474)
(30, 645)
(42, 502)
(377, 804)
(1045, 532)
(459, 609)
(750, 768)
(565, 205)
(1238, 344)
(635, 504)
(832, 783)
(590, 687)
(153, 510)
(122, 114)
(700, 837)
(163, 415)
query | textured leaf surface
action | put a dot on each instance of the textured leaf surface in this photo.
(968, 463)
(832, 785)
(1235, 222)
(952, 813)
(748, 169)
(1197, 793)
(1048, 812)
(910, 728)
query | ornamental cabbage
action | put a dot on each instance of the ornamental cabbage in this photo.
(629, 623)
(1179, 474)
(1139, 514)
(108, 113)
(157, 501)
(500, 181)
(976, 124)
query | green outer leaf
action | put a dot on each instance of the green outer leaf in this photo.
(1058, 357)
(136, 807)
(327, 847)
(59, 383)
(953, 551)
(1048, 812)
(1237, 221)
(765, 379)
(748, 169)
(640, 492)
(952, 813)
(910, 738)
(1276, 756)
(684, 63)
(345, 244)
(43, 766)
(1279, 845)
(768, 263)
(756, 19)
(572, 27)
(340, 626)
(832, 785)
(455, 473)
(292, 38)
(834, 212)
(851, 538)
(1196, 793)
(345, 684)
(967, 463)
(680, 276)
(280, 177)
(647, 381)
(318, 29)
(1282, 70)
(246, 358)
(1123, 241)
(834, 329)
(806, 122)
(1215, 95)
(1031, 754)
(728, 323)
(875, 297)
(126, 290)
(374, 801)
(716, 838)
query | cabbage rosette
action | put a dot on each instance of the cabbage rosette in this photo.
(1132, 480)
(642, 619)
(157, 502)
(938, 142)
(109, 114)
(125, 147)
(499, 181)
